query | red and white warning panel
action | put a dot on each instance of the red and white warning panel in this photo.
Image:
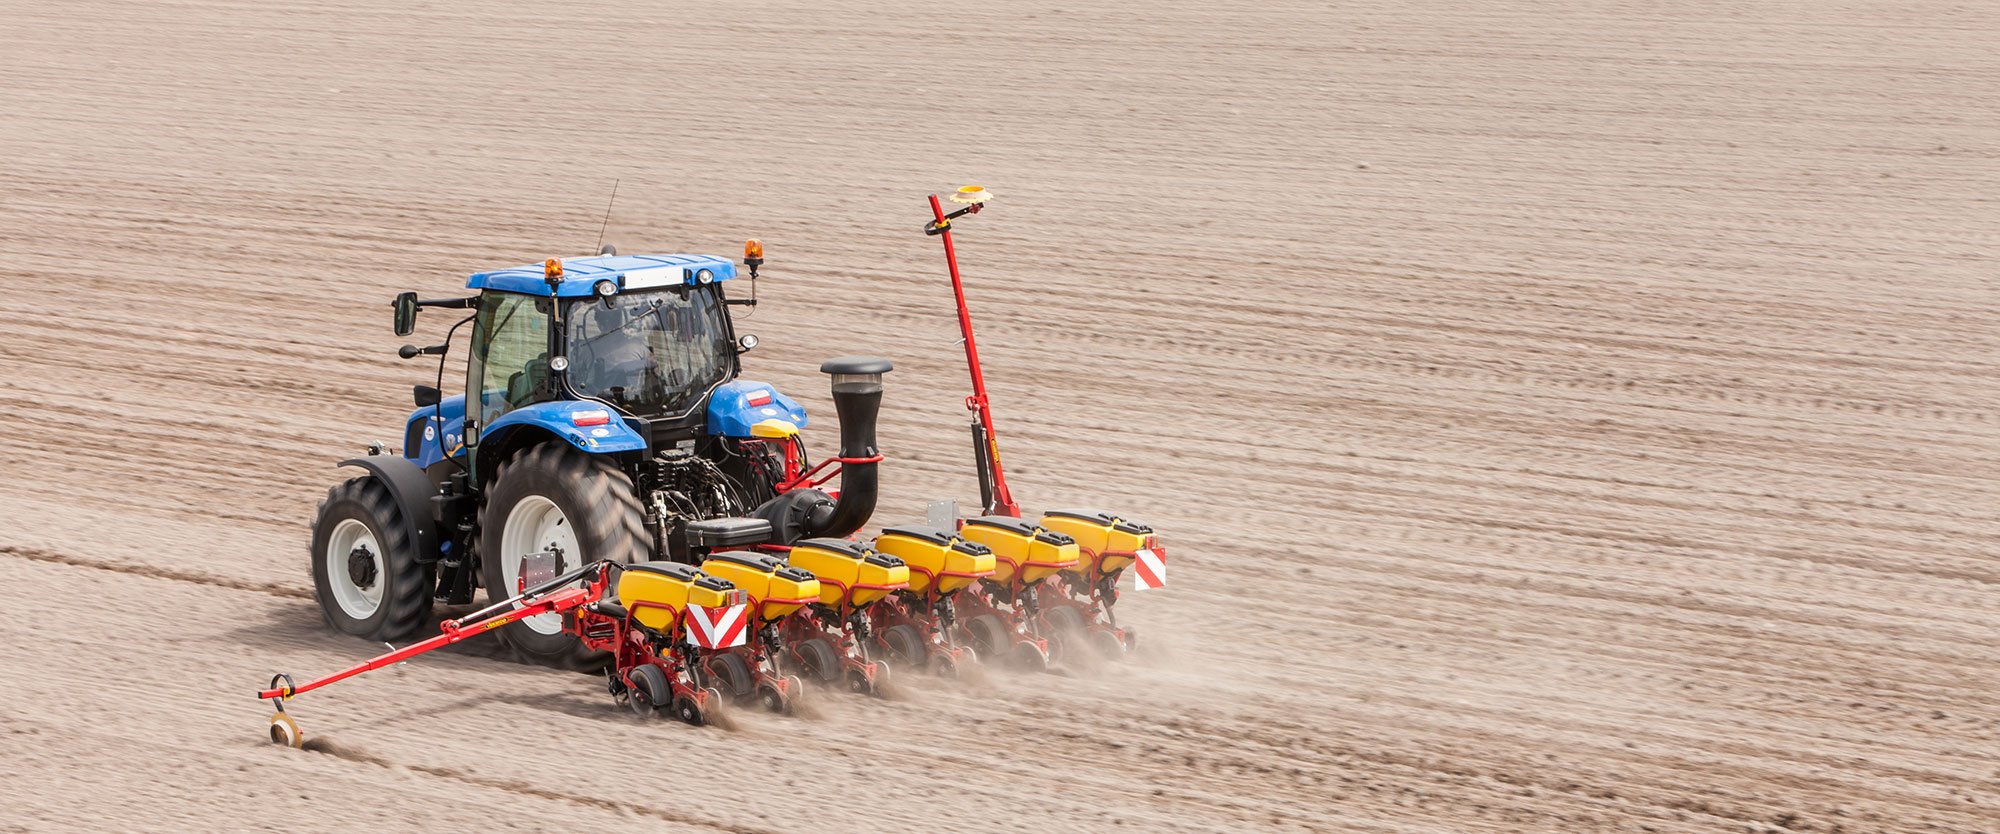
(1149, 570)
(718, 628)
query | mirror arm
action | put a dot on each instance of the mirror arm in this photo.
(465, 303)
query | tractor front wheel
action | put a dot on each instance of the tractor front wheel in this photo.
(365, 570)
(555, 498)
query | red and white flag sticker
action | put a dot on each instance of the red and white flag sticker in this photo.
(1149, 570)
(718, 628)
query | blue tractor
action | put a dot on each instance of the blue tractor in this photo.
(604, 418)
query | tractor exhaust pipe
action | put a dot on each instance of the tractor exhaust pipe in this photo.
(857, 399)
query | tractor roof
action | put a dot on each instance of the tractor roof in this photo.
(580, 275)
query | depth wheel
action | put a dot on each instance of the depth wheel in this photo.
(1108, 645)
(907, 645)
(366, 573)
(820, 658)
(989, 634)
(553, 496)
(1069, 633)
(1065, 619)
(650, 691)
(730, 673)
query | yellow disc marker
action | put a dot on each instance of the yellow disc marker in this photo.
(971, 195)
(285, 731)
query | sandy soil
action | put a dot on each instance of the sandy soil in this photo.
(1566, 417)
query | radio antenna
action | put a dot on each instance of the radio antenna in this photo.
(607, 216)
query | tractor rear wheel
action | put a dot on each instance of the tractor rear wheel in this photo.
(365, 570)
(553, 497)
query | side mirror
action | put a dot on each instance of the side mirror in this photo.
(406, 313)
(426, 395)
(746, 342)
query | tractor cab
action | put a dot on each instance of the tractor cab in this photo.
(613, 352)
(647, 335)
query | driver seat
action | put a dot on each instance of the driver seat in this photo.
(527, 384)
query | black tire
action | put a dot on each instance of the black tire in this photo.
(729, 672)
(990, 635)
(1107, 645)
(907, 645)
(820, 658)
(650, 691)
(406, 585)
(602, 509)
(1063, 619)
(1067, 633)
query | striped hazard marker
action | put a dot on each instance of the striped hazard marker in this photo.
(1149, 570)
(718, 628)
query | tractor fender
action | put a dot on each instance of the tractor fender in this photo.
(412, 491)
(556, 418)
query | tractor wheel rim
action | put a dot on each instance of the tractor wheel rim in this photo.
(354, 601)
(535, 525)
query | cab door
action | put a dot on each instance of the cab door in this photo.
(512, 337)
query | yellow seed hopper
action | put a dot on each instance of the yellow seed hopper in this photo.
(937, 557)
(1023, 552)
(775, 588)
(658, 593)
(850, 573)
(1107, 542)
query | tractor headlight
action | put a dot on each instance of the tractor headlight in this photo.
(606, 289)
(706, 276)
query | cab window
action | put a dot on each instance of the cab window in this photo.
(650, 353)
(509, 366)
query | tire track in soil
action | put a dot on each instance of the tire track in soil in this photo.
(329, 747)
(154, 572)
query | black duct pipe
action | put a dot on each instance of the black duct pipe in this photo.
(857, 399)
